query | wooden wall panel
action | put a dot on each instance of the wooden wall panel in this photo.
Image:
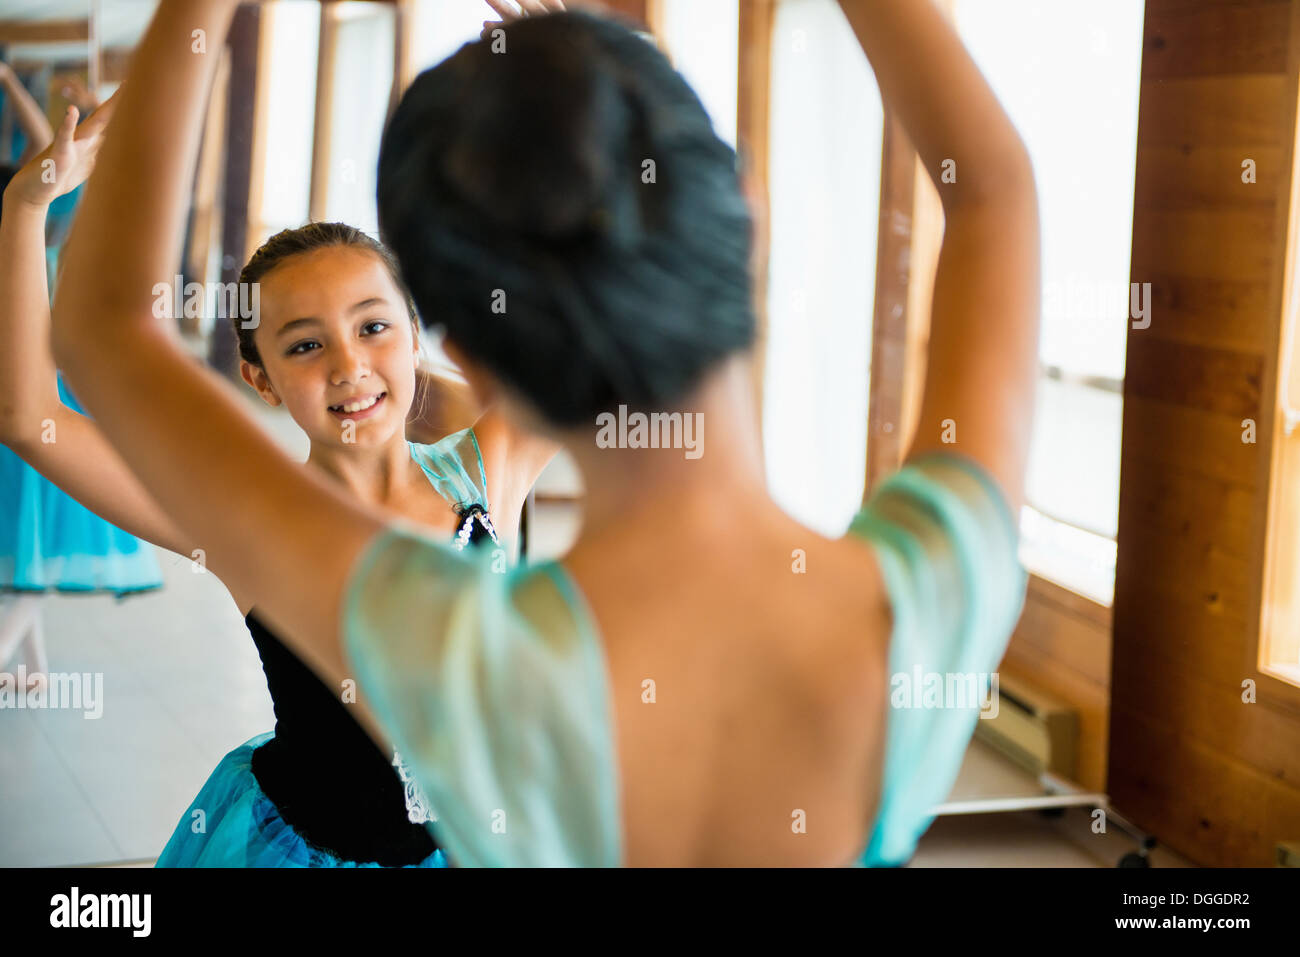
(1075, 633)
(1176, 35)
(1166, 500)
(1090, 701)
(1214, 777)
(1221, 111)
(1217, 380)
(1160, 434)
(44, 31)
(1172, 177)
(1062, 645)
(1201, 801)
(1191, 242)
(1219, 313)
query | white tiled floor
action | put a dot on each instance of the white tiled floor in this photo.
(182, 685)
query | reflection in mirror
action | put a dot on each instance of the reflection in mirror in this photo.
(168, 680)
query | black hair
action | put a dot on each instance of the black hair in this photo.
(304, 239)
(566, 212)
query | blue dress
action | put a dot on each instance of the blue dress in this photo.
(316, 792)
(51, 542)
(494, 686)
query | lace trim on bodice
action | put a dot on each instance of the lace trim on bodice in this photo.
(418, 810)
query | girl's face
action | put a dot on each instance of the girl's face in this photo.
(338, 347)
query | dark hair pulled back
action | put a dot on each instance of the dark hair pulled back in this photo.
(566, 212)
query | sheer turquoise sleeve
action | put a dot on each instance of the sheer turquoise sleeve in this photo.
(454, 466)
(493, 688)
(946, 544)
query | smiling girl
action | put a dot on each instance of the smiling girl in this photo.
(336, 343)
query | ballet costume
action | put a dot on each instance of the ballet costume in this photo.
(50, 542)
(318, 791)
(496, 687)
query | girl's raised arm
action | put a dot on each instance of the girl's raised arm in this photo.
(29, 113)
(61, 444)
(273, 529)
(443, 405)
(983, 353)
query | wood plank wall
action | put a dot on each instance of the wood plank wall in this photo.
(1062, 645)
(1213, 777)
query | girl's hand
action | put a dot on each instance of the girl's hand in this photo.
(75, 91)
(63, 165)
(527, 8)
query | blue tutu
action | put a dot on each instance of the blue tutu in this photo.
(242, 827)
(50, 541)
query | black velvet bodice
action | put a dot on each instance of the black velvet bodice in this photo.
(330, 782)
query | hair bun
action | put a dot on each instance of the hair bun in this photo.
(524, 172)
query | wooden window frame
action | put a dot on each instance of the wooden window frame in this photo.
(1276, 611)
(753, 139)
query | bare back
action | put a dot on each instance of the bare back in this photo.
(760, 740)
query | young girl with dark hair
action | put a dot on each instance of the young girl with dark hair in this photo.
(335, 340)
(700, 680)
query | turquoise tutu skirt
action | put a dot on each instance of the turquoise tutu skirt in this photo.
(48, 541)
(240, 827)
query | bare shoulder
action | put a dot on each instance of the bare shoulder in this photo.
(836, 597)
(774, 607)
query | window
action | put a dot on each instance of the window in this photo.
(702, 39)
(360, 91)
(1067, 73)
(1279, 645)
(826, 128)
(293, 32)
(441, 27)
